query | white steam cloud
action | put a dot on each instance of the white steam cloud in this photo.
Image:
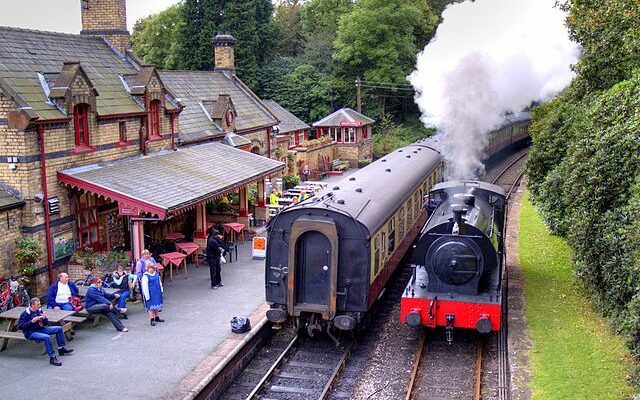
(489, 57)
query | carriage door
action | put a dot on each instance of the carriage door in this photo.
(313, 260)
(313, 267)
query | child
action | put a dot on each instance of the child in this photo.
(152, 292)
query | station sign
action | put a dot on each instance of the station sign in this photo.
(259, 247)
(350, 123)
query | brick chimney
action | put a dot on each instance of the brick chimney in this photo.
(108, 19)
(223, 44)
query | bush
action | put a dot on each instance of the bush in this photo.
(27, 253)
(289, 181)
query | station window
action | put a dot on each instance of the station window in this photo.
(87, 221)
(350, 135)
(154, 115)
(81, 124)
(122, 130)
(292, 141)
(336, 134)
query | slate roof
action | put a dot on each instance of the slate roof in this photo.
(24, 53)
(167, 181)
(288, 121)
(8, 201)
(196, 88)
(344, 115)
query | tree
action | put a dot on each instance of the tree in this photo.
(194, 54)
(156, 38)
(610, 38)
(287, 19)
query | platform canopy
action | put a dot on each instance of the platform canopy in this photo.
(169, 182)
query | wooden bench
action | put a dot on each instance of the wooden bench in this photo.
(12, 335)
(339, 165)
(85, 314)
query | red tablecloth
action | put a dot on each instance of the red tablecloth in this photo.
(189, 248)
(174, 258)
(174, 236)
(233, 227)
(236, 226)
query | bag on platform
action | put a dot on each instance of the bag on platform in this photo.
(222, 259)
(240, 325)
(76, 303)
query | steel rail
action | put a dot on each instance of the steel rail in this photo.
(416, 365)
(271, 370)
(520, 157)
(478, 382)
(336, 371)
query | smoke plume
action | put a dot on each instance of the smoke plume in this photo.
(489, 58)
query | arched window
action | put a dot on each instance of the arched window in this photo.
(154, 118)
(81, 122)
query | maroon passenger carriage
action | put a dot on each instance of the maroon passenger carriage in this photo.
(458, 260)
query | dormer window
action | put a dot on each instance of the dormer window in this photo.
(81, 120)
(154, 119)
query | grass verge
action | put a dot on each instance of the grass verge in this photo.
(574, 354)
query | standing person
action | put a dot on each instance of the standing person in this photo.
(152, 293)
(59, 293)
(214, 251)
(305, 173)
(121, 281)
(33, 323)
(141, 267)
(98, 301)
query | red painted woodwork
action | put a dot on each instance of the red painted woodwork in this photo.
(81, 124)
(154, 119)
(466, 314)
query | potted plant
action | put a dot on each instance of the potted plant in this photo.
(27, 253)
(290, 181)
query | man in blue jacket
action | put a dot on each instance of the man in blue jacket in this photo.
(97, 301)
(59, 293)
(33, 323)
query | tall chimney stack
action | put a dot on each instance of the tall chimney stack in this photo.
(223, 44)
(108, 19)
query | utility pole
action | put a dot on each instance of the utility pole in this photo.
(358, 96)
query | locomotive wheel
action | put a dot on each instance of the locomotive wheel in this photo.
(301, 327)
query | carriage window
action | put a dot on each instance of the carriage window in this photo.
(391, 228)
(401, 224)
(384, 242)
(416, 205)
(376, 256)
(409, 214)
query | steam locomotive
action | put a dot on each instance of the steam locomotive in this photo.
(458, 260)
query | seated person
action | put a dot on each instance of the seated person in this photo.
(59, 293)
(33, 323)
(121, 281)
(98, 301)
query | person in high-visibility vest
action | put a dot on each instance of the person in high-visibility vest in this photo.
(273, 199)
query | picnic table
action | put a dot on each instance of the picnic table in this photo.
(189, 248)
(174, 236)
(177, 259)
(13, 315)
(233, 228)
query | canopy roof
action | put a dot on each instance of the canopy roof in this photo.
(167, 182)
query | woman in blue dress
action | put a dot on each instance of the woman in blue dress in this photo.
(152, 292)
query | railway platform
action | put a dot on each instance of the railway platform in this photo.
(171, 360)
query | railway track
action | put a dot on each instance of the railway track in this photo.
(303, 370)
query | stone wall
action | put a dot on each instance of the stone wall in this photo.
(354, 151)
(10, 223)
(312, 157)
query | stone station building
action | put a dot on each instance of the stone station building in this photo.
(94, 142)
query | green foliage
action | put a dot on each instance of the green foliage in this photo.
(289, 181)
(28, 252)
(389, 135)
(287, 19)
(154, 37)
(610, 38)
(372, 44)
(86, 256)
(115, 258)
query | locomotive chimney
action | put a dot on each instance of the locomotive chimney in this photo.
(458, 225)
